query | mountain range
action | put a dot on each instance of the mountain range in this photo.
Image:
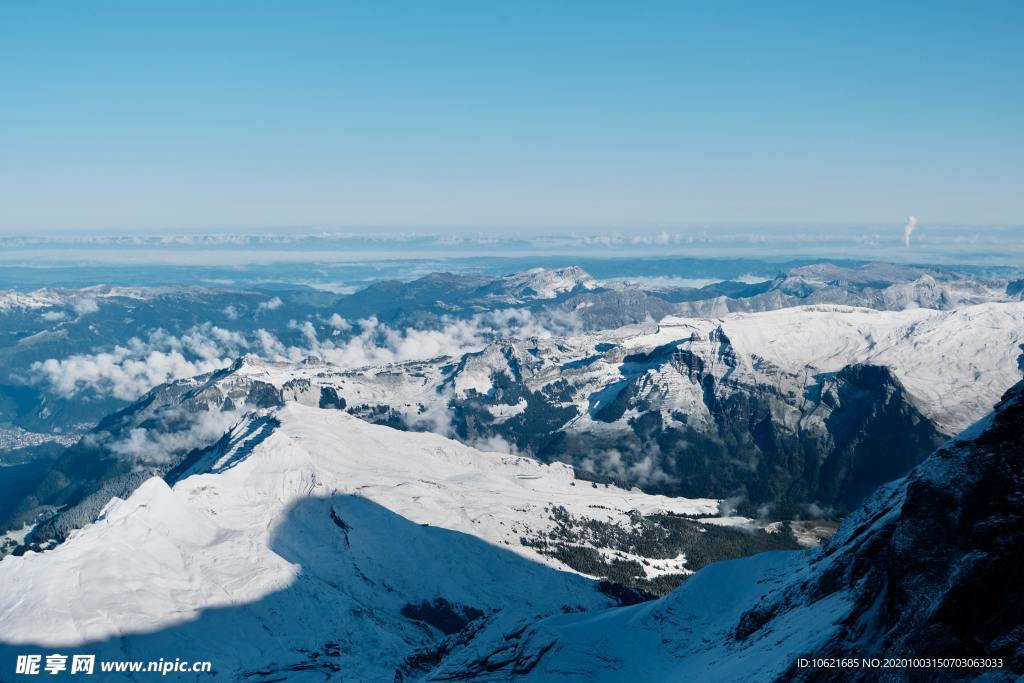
(796, 413)
(480, 477)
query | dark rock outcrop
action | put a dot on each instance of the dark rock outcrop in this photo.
(935, 565)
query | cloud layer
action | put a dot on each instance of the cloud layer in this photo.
(129, 370)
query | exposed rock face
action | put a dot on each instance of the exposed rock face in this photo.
(875, 433)
(697, 415)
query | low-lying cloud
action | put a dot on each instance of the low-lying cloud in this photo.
(85, 305)
(271, 304)
(129, 370)
(643, 465)
(156, 447)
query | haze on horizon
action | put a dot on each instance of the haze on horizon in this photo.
(482, 117)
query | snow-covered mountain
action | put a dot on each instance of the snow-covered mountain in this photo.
(781, 411)
(70, 299)
(310, 540)
(928, 568)
(543, 283)
(881, 286)
(955, 364)
(301, 508)
(761, 382)
(107, 332)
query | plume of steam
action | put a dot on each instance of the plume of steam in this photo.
(908, 230)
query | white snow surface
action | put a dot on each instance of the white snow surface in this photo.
(11, 300)
(684, 636)
(545, 283)
(691, 634)
(253, 541)
(956, 364)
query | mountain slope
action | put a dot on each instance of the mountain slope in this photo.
(305, 528)
(929, 567)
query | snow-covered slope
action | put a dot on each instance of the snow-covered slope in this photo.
(684, 636)
(784, 388)
(928, 568)
(956, 363)
(311, 527)
(51, 298)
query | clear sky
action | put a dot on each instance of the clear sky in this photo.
(119, 116)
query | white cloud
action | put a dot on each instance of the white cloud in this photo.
(271, 305)
(307, 330)
(338, 323)
(495, 444)
(127, 371)
(119, 373)
(85, 306)
(152, 446)
(644, 467)
(377, 343)
(436, 418)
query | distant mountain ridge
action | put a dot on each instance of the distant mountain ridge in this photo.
(58, 324)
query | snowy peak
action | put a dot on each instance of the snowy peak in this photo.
(542, 283)
(513, 360)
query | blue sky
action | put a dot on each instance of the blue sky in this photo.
(508, 116)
